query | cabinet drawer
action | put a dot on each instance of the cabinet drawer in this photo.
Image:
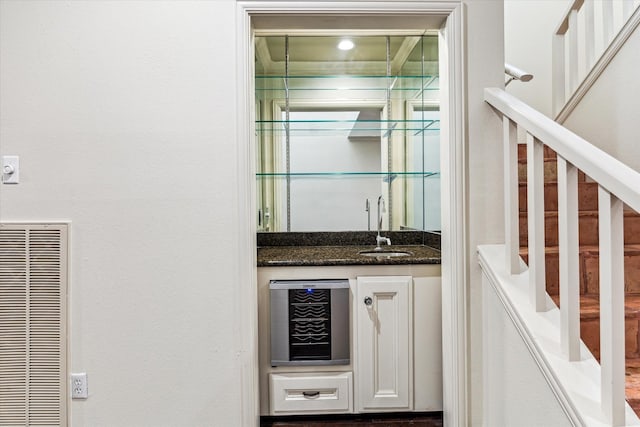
(306, 393)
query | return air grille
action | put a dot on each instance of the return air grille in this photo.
(33, 276)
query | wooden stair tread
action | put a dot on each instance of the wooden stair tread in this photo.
(629, 249)
(584, 212)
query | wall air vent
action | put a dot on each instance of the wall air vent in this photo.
(33, 324)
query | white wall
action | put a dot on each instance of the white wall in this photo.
(520, 395)
(528, 29)
(483, 198)
(123, 116)
(608, 115)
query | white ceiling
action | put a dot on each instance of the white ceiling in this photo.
(320, 55)
(367, 31)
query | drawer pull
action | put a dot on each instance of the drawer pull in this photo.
(311, 394)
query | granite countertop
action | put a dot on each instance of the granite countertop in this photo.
(343, 255)
(342, 248)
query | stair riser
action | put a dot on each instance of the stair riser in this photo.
(550, 171)
(587, 229)
(552, 274)
(522, 152)
(589, 273)
(590, 334)
(587, 196)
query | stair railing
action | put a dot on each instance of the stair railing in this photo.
(588, 31)
(617, 184)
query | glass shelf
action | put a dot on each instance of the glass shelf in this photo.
(334, 119)
(356, 82)
(345, 87)
(364, 127)
(384, 175)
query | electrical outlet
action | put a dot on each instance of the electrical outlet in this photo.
(79, 386)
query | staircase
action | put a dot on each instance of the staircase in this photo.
(588, 261)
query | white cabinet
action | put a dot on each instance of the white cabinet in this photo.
(396, 357)
(384, 345)
(310, 393)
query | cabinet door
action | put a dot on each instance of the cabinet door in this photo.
(384, 369)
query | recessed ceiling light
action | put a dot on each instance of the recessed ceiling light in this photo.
(345, 44)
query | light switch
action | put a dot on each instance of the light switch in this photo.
(10, 169)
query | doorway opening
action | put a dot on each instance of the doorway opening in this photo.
(322, 18)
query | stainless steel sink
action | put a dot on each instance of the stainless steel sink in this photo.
(384, 253)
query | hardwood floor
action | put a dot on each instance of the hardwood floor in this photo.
(359, 420)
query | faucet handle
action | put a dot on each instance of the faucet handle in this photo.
(380, 239)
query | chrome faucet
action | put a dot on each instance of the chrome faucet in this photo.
(379, 238)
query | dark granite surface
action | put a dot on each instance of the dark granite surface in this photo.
(343, 238)
(343, 248)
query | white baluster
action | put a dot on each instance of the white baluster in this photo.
(589, 35)
(573, 50)
(607, 22)
(511, 210)
(569, 259)
(612, 345)
(535, 219)
(559, 73)
(627, 10)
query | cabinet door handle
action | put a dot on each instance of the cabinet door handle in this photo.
(310, 394)
(368, 301)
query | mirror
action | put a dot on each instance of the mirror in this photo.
(342, 135)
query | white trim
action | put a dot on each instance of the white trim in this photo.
(341, 8)
(614, 178)
(576, 385)
(599, 67)
(454, 232)
(454, 253)
(265, 32)
(246, 301)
